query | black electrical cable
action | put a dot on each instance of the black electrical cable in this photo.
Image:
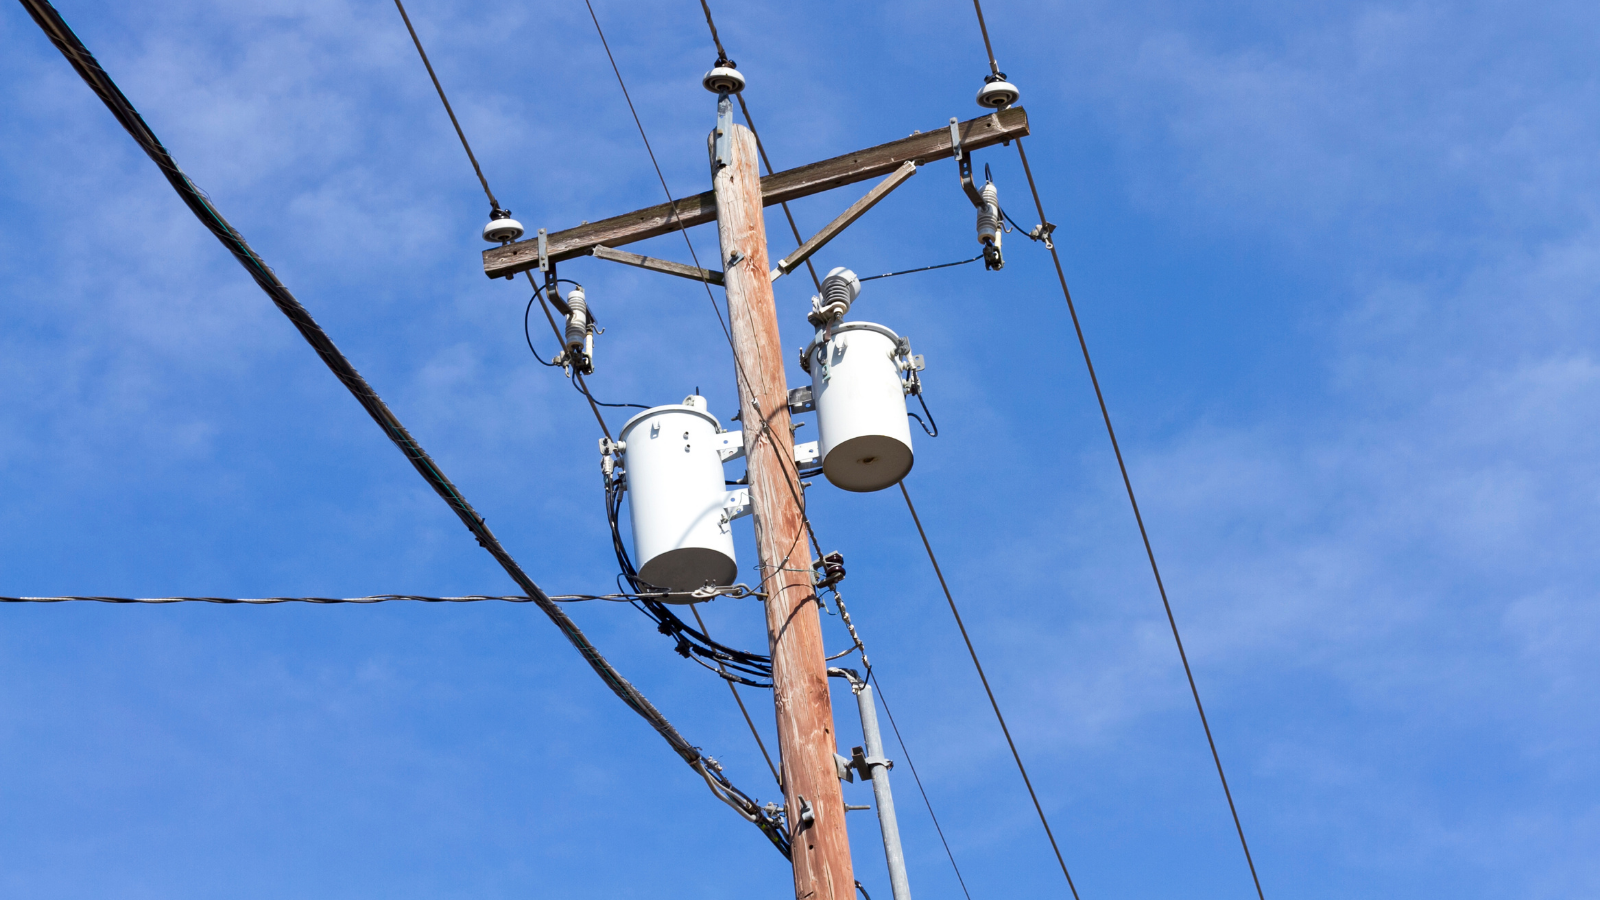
(988, 690)
(529, 337)
(376, 598)
(493, 203)
(959, 262)
(934, 432)
(583, 388)
(62, 36)
(691, 644)
(734, 689)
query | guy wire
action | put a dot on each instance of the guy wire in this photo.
(495, 204)
(985, 679)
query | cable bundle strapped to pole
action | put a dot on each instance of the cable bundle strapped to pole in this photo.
(732, 664)
(60, 34)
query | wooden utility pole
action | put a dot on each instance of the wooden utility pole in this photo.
(821, 847)
(815, 804)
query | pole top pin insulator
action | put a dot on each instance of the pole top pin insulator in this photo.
(724, 78)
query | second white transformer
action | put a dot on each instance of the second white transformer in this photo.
(863, 432)
(680, 507)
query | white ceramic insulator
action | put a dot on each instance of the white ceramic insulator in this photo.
(863, 432)
(682, 539)
(499, 231)
(989, 216)
(577, 319)
(840, 288)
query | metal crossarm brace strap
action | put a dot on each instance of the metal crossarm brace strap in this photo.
(874, 162)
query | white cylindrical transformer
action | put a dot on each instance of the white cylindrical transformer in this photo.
(677, 499)
(863, 433)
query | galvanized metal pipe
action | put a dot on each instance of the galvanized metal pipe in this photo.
(879, 768)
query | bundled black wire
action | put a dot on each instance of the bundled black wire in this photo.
(60, 34)
(739, 666)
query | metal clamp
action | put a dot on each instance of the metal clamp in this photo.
(544, 252)
(800, 399)
(964, 160)
(808, 817)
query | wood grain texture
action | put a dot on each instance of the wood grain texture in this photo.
(806, 742)
(778, 187)
(657, 265)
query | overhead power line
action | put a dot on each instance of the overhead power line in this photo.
(493, 203)
(988, 690)
(1127, 482)
(375, 598)
(54, 27)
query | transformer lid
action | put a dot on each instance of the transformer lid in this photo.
(843, 327)
(673, 407)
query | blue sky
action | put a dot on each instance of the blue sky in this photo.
(1337, 263)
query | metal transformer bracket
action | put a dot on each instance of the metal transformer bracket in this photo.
(737, 505)
(730, 445)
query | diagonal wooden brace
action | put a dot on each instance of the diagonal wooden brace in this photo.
(873, 162)
(857, 210)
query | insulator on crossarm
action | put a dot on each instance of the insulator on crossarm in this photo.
(580, 346)
(990, 227)
(577, 319)
(501, 228)
(997, 92)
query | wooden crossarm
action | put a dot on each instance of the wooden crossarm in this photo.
(790, 184)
